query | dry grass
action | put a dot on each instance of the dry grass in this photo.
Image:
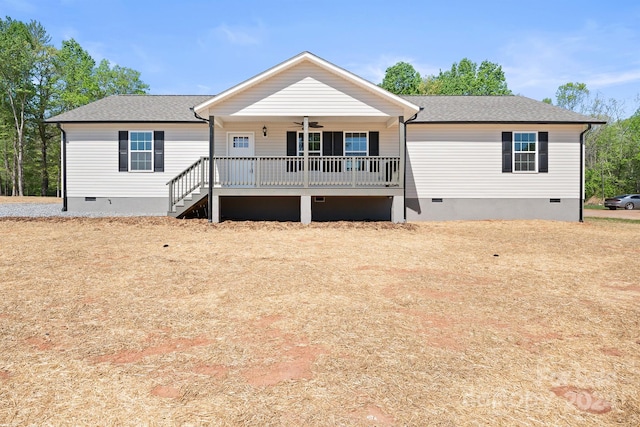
(166, 322)
(29, 199)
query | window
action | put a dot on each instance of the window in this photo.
(141, 150)
(241, 141)
(315, 144)
(525, 150)
(314, 148)
(355, 144)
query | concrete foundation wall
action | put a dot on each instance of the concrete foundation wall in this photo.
(153, 206)
(482, 209)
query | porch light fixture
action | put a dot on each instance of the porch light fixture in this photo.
(264, 131)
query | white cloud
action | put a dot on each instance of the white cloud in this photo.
(374, 71)
(614, 78)
(95, 49)
(203, 89)
(69, 33)
(238, 35)
(147, 63)
(18, 6)
(537, 63)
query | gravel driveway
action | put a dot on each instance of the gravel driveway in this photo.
(34, 210)
(618, 213)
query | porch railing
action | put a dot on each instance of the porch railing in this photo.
(287, 172)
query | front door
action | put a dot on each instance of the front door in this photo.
(241, 166)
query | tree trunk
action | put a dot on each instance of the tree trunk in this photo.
(44, 183)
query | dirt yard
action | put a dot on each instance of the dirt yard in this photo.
(157, 321)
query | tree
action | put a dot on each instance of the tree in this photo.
(466, 78)
(402, 79)
(77, 85)
(118, 80)
(43, 100)
(572, 96)
(36, 82)
(16, 85)
(612, 150)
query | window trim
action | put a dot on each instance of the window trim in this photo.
(314, 153)
(363, 166)
(535, 152)
(131, 151)
(251, 139)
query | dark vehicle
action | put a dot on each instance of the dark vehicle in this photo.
(626, 201)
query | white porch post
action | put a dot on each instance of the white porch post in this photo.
(403, 149)
(214, 203)
(398, 212)
(305, 150)
(305, 209)
(214, 207)
(397, 209)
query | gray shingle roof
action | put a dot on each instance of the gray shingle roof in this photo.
(492, 109)
(437, 109)
(135, 108)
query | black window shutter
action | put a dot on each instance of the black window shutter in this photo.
(327, 143)
(507, 150)
(292, 150)
(374, 143)
(338, 144)
(543, 152)
(158, 151)
(332, 146)
(123, 151)
(374, 149)
(292, 143)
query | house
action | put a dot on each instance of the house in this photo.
(309, 141)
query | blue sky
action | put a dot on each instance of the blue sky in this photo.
(204, 47)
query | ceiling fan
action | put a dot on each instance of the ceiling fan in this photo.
(314, 125)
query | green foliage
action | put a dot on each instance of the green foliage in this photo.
(466, 78)
(402, 79)
(572, 96)
(38, 81)
(612, 150)
(118, 80)
(77, 85)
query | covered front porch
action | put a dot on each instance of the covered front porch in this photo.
(305, 129)
(281, 176)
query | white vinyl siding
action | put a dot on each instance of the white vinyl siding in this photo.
(465, 161)
(275, 143)
(306, 90)
(92, 159)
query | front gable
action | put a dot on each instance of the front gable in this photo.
(306, 86)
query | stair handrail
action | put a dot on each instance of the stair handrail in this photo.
(193, 177)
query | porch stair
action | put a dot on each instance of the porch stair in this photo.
(189, 203)
(189, 189)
